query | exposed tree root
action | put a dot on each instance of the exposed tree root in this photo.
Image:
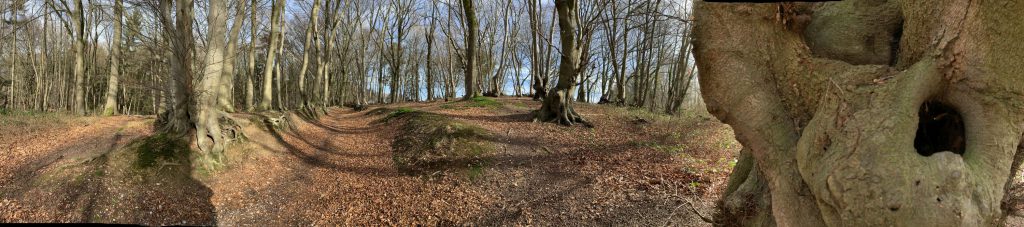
(557, 109)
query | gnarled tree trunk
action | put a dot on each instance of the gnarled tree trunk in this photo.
(866, 113)
(557, 105)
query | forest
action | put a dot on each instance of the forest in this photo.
(512, 112)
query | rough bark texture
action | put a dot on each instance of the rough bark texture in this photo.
(826, 99)
(181, 107)
(471, 30)
(557, 105)
(208, 131)
(79, 21)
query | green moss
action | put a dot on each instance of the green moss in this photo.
(395, 113)
(450, 106)
(476, 170)
(481, 101)
(160, 146)
(433, 142)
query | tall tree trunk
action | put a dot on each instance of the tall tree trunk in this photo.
(269, 65)
(226, 98)
(208, 131)
(471, 30)
(249, 86)
(429, 37)
(537, 64)
(110, 106)
(557, 106)
(181, 106)
(279, 76)
(396, 56)
(78, 18)
(917, 126)
(311, 31)
(43, 65)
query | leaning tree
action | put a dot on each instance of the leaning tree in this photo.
(866, 112)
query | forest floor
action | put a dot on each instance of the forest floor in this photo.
(633, 168)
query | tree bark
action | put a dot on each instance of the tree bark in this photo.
(269, 65)
(557, 106)
(249, 86)
(471, 30)
(110, 105)
(537, 64)
(79, 22)
(832, 103)
(208, 131)
(311, 31)
(226, 99)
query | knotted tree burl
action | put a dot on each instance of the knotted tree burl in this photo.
(866, 112)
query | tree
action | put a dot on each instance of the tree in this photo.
(268, 68)
(557, 106)
(249, 86)
(227, 80)
(311, 29)
(110, 106)
(429, 37)
(538, 74)
(208, 131)
(866, 114)
(471, 29)
(177, 28)
(78, 19)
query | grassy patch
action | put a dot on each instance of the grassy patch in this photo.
(160, 147)
(451, 106)
(390, 114)
(476, 170)
(434, 142)
(669, 149)
(28, 117)
(481, 101)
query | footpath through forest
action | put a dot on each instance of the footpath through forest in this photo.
(633, 168)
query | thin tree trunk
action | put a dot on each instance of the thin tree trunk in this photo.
(249, 86)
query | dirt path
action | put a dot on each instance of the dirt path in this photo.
(30, 152)
(339, 171)
(632, 169)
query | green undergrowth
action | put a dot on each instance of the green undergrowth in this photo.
(29, 117)
(432, 142)
(390, 114)
(160, 148)
(479, 101)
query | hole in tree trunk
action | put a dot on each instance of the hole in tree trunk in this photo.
(940, 128)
